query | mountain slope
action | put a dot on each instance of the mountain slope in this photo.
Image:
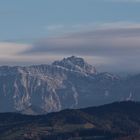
(48, 87)
(69, 83)
(120, 120)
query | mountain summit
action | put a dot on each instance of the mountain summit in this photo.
(76, 64)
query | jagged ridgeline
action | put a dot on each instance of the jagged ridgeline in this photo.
(69, 83)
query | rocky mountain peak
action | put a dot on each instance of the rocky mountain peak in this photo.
(69, 83)
(76, 64)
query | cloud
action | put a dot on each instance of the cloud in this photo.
(60, 29)
(109, 46)
(9, 52)
(112, 44)
(97, 41)
(7, 48)
(12, 54)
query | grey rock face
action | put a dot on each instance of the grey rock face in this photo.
(70, 83)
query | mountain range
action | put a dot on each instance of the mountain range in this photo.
(69, 83)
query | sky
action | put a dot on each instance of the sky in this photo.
(106, 33)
